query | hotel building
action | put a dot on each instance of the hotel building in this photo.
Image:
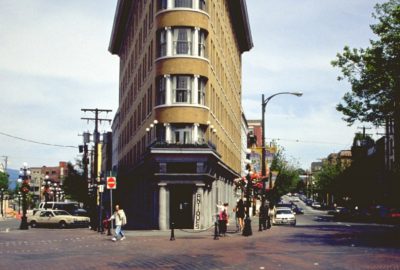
(179, 117)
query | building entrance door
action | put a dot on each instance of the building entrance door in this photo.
(181, 206)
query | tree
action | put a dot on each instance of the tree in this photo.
(287, 179)
(75, 185)
(3, 181)
(326, 180)
(374, 75)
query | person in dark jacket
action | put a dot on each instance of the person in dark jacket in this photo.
(240, 214)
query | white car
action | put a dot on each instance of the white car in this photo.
(284, 216)
(59, 218)
(316, 205)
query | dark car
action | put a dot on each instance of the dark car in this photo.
(298, 210)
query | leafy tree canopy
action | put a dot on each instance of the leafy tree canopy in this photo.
(287, 179)
(325, 178)
(75, 185)
(374, 72)
(3, 181)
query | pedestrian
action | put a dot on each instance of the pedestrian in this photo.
(120, 220)
(270, 216)
(263, 215)
(240, 214)
(223, 219)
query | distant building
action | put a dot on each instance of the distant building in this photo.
(244, 136)
(316, 166)
(343, 157)
(55, 175)
(255, 133)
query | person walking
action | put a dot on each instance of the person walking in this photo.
(223, 218)
(240, 214)
(263, 216)
(120, 220)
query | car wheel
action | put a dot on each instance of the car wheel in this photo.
(62, 225)
(33, 224)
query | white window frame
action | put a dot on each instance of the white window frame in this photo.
(201, 91)
(179, 44)
(182, 93)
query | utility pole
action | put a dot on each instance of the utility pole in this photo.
(5, 163)
(364, 128)
(96, 137)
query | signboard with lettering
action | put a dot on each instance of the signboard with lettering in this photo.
(197, 216)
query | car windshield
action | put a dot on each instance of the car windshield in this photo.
(288, 205)
(283, 212)
(61, 212)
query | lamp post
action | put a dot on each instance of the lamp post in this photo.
(46, 188)
(24, 181)
(264, 103)
(1, 200)
(247, 231)
(55, 189)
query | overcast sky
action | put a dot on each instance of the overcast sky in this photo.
(54, 61)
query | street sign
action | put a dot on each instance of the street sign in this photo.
(111, 183)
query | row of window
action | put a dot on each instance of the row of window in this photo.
(185, 89)
(193, 4)
(142, 111)
(182, 41)
(172, 134)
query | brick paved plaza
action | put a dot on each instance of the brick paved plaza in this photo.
(334, 246)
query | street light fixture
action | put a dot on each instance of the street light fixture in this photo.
(19, 202)
(264, 103)
(24, 181)
(1, 198)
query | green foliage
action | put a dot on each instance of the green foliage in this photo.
(374, 72)
(3, 181)
(75, 185)
(326, 177)
(287, 179)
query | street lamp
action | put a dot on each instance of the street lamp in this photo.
(264, 103)
(55, 189)
(19, 202)
(24, 181)
(1, 200)
(247, 231)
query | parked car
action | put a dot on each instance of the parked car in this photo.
(335, 210)
(309, 202)
(298, 210)
(71, 207)
(393, 216)
(58, 218)
(284, 216)
(316, 205)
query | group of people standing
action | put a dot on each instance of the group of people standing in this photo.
(240, 212)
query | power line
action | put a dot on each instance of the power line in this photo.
(36, 142)
(305, 141)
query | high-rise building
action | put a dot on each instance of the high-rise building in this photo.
(179, 123)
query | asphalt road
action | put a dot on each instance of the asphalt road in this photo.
(316, 243)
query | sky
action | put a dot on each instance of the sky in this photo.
(54, 61)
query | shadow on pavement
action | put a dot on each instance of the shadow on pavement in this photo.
(353, 235)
